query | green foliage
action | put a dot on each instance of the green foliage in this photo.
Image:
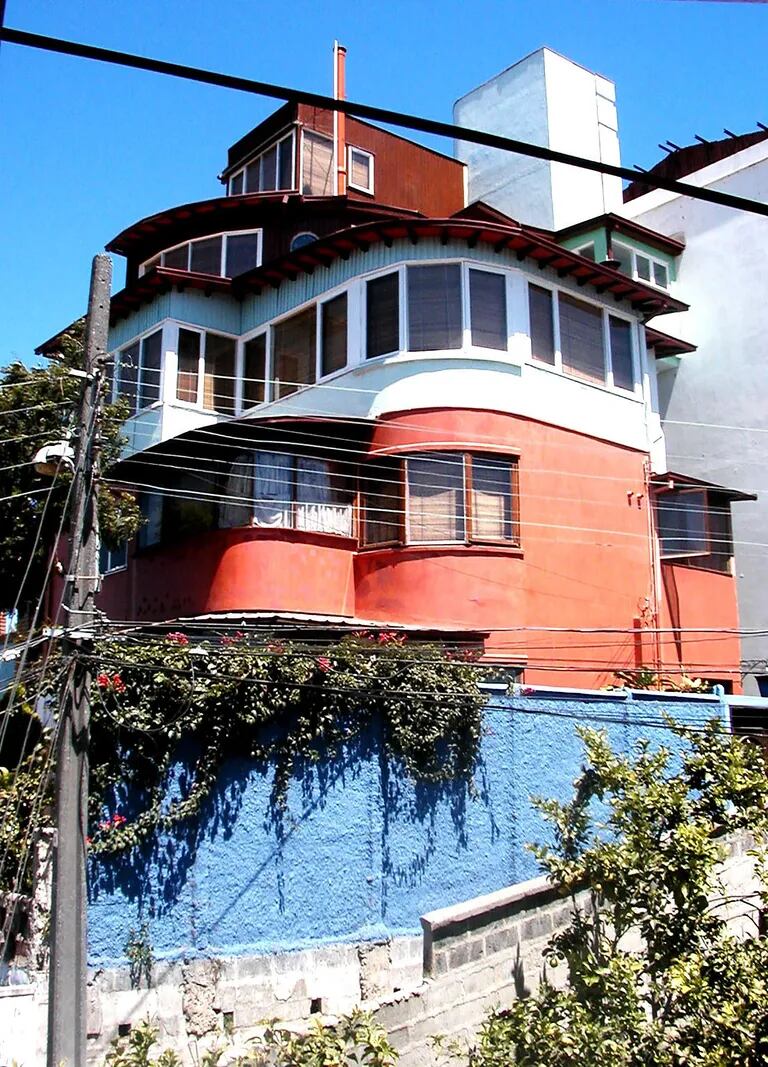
(138, 952)
(25, 792)
(280, 703)
(645, 678)
(133, 1050)
(655, 977)
(37, 407)
(355, 1039)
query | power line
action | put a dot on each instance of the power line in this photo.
(366, 111)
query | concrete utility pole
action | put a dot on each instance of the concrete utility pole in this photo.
(69, 935)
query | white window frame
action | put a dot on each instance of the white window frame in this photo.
(607, 314)
(653, 261)
(159, 327)
(371, 162)
(328, 137)
(302, 233)
(197, 405)
(257, 157)
(224, 235)
(109, 552)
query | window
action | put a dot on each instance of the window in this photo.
(488, 309)
(218, 370)
(254, 370)
(360, 166)
(137, 372)
(445, 498)
(640, 265)
(294, 352)
(621, 353)
(302, 239)
(542, 324)
(333, 315)
(695, 528)
(224, 255)
(587, 251)
(382, 323)
(434, 308)
(151, 507)
(317, 164)
(265, 488)
(581, 339)
(269, 171)
(113, 559)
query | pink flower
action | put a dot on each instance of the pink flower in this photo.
(275, 646)
(89, 840)
(118, 684)
(323, 664)
(105, 825)
(102, 680)
(362, 635)
(178, 638)
(118, 820)
(389, 637)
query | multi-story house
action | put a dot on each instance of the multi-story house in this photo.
(359, 399)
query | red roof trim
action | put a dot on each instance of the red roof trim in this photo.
(664, 344)
(161, 280)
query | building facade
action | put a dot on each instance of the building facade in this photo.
(359, 400)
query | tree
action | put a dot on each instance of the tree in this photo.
(655, 976)
(38, 406)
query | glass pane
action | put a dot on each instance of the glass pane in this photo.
(252, 176)
(621, 354)
(151, 263)
(189, 355)
(660, 275)
(720, 536)
(488, 309)
(320, 505)
(435, 504)
(434, 308)
(269, 170)
(273, 489)
(492, 501)
(588, 252)
(285, 163)
(581, 339)
(151, 506)
(219, 374)
(128, 375)
(236, 184)
(236, 507)
(242, 253)
(206, 256)
(623, 257)
(381, 502)
(382, 316)
(643, 267)
(178, 258)
(360, 169)
(318, 165)
(334, 320)
(151, 352)
(254, 370)
(682, 518)
(542, 327)
(294, 352)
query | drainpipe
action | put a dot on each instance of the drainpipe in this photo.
(655, 561)
(339, 118)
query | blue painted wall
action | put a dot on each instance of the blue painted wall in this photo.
(363, 851)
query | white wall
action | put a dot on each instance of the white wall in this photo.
(723, 274)
(551, 101)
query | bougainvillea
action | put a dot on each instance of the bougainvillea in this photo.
(279, 702)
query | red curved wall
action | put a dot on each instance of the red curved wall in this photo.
(584, 564)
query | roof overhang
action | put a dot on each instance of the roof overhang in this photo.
(673, 480)
(663, 344)
(618, 224)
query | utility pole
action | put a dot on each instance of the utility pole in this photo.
(69, 934)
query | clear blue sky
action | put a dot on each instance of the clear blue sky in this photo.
(88, 149)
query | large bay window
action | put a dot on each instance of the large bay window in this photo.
(294, 344)
(441, 498)
(695, 528)
(224, 254)
(449, 306)
(582, 339)
(270, 170)
(265, 488)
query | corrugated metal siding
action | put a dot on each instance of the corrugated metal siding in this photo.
(211, 312)
(148, 315)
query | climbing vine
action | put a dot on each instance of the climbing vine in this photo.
(282, 703)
